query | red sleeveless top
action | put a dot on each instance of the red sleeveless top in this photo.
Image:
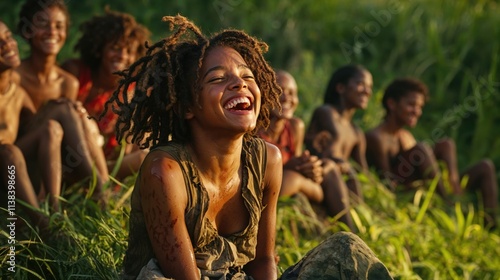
(285, 142)
(95, 106)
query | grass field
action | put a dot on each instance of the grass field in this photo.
(414, 234)
(452, 45)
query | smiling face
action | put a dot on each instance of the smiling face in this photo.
(289, 98)
(50, 26)
(229, 96)
(116, 56)
(9, 53)
(358, 90)
(408, 109)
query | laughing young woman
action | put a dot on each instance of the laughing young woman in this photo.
(204, 203)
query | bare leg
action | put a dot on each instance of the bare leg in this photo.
(92, 135)
(336, 194)
(419, 163)
(77, 160)
(11, 156)
(294, 182)
(45, 143)
(446, 151)
(482, 178)
(354, 186)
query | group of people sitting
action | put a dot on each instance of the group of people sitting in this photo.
(323, 172)
(210, 129)
(52, 130)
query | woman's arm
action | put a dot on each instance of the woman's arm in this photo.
(164, 199)
(264, 266)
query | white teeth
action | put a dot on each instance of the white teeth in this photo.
(240, 100)
(50, 41)
(9, 54)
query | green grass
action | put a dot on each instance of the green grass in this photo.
(414, 234)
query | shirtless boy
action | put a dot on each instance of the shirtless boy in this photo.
(332, 133)
(42, 144)
(53, 90)
(400, 159)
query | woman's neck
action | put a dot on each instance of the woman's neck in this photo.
(345, 112)
(275, 128)
(42, 65)
(5, 81)
(216, 159)
(104, 80)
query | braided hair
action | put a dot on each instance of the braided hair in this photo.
(166, 83)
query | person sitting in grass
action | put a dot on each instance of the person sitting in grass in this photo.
(302, 172)
(331, 133)
(109, 43)
(41, 145)
(204, 202)
(53, 90)
(401, 160)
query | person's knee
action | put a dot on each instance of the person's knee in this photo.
(446, 144)
(420, 154)
(54, 130)
(487, 166)
(11, 154)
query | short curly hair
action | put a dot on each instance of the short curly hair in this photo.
(32, 10)
(113, 26)
(167, 83)
(401, 87)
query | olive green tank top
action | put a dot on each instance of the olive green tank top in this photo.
(214, 254)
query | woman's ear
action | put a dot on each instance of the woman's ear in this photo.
(391, 104)
(340, 88)
(189, 114)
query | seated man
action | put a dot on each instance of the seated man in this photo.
(302, 172)
(332, 134)
(400, 159)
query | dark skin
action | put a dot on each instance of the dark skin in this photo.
(319, 180)
(42, 144)
(115, 56)
(400, 159)
(302, 172)
(333, 133)
(215, 149)
(53, 92)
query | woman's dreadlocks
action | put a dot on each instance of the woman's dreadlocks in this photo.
(166, 81)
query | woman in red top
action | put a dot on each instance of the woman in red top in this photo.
(318, 180)
(109, 43)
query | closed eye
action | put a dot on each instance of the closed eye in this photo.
(215, 79)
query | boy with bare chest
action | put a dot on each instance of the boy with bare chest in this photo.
(332, 133)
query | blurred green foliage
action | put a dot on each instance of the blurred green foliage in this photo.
(452, 45)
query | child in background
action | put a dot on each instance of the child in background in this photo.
(42, 145)
(302, 172)
(53, 90)
(109, 43)
(332, 133)
(400, 159)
